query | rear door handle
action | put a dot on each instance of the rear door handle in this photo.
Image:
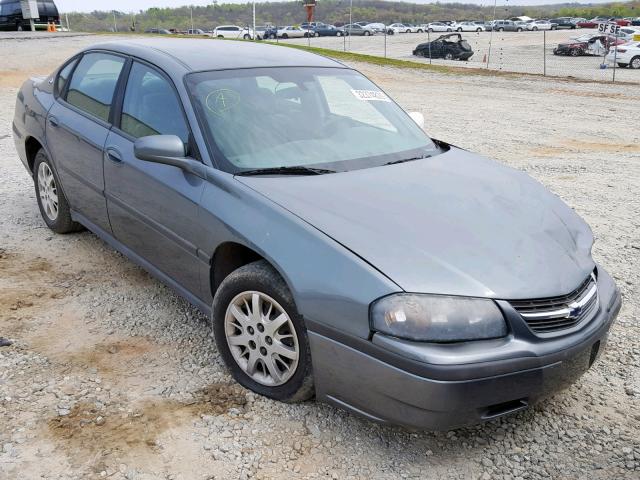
(53, 121)
(113, 155)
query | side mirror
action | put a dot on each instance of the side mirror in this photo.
(418, 118)
(167, 150)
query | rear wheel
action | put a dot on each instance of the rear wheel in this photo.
(366, 33)
(635, 63)
(458, 29)
(535, 29)
(478, 30)
(338, 34)
(246, 36)
(448, 56)
(519, 29)
(501, 29)
(53, 205)
(576, 52)
(420, 30)
(284, 35)
(220, 36)
(260, 334)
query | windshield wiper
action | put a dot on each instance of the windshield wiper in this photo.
(293, 170)
(408, 159)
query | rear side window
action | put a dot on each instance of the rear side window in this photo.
(63, 76)
(151, 106)
(93, 83)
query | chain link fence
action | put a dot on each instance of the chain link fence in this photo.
(529, 52)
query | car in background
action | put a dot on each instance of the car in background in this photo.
(506, 26)
(11, 16)
(439, 27)
(357, 30)
(195, 31)
(310, 25)
(232, 31)
(627, 33)
(397, 28)
(564, 23)
(415, 28)
(635, 22)
(290, 31)
(594, 22)
(625, 55)
(449, 47)
(158, 31)
(536, 25)
(587, 44)
(468, 27)
(376, 27)
(328, 31)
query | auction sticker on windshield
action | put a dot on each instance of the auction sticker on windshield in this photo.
(370, 95)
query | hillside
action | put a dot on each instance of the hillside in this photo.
(329, 11)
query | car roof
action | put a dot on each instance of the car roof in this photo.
(182, 55)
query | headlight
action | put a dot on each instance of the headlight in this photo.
(437, 318)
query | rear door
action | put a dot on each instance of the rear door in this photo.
(153, 207)
(77, 127)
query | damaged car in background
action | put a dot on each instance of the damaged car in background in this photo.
(449, 47)
(588, 44)
(351, 257)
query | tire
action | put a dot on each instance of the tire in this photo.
(535, 29)
(478, 30)
(430, 30)
(635, 63)
(241, 288)
(19, 27)
(519, 30)
(285, 36)
(408, 31)
(449, 30)
(458, 29)
(501, 29)
(338, 34)
(448, 56)
(306, 35)
(220, 36)
(575, 52)
(420, 30)
(554, 27)
(623, 65)
(246, 36)
(49, 194)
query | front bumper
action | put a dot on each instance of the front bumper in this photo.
(440, 387)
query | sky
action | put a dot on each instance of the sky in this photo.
(135, 5)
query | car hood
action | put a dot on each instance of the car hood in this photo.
(456, 224)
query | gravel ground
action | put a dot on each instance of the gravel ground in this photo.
(112, 375)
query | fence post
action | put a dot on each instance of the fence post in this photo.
(615, 58)
(385, 41)
(429, 40)
(544, 53)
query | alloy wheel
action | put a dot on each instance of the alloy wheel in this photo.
(635, 63)
(48, 191)
(262, 338)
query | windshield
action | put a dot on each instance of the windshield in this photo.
(333, 118)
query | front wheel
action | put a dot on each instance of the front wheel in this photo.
(501, 29)
(535, 29)
(478, 30)
(52, 203)
(519, 30)
(458, 29)
(448, 56)
(285, 36)
(338, 34)
(420, 30)
(635, 63)
(576, 52)
(430, 30)
(260, 334)
(246, 36)
(366, 34)
(449, 30)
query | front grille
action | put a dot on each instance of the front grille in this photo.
(551, 314)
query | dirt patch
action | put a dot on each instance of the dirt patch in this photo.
(88, 434)
(563, 147)
(591, 94)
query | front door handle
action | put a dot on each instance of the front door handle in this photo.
(53, 121)
(113, 155)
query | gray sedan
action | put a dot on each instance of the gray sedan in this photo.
(351, 257)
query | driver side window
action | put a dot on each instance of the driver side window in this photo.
(151, 106)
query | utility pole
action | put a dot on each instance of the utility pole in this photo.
(253, 34)
(115, 23)
(191, 8)
(350, 20)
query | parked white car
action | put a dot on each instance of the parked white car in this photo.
(439, 27)
(468, 27)
(232, 31)
(628, 55)
(294, 32)
(398, 28)
(536, 25)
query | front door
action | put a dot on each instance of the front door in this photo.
(153, 207)
(77, 128)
